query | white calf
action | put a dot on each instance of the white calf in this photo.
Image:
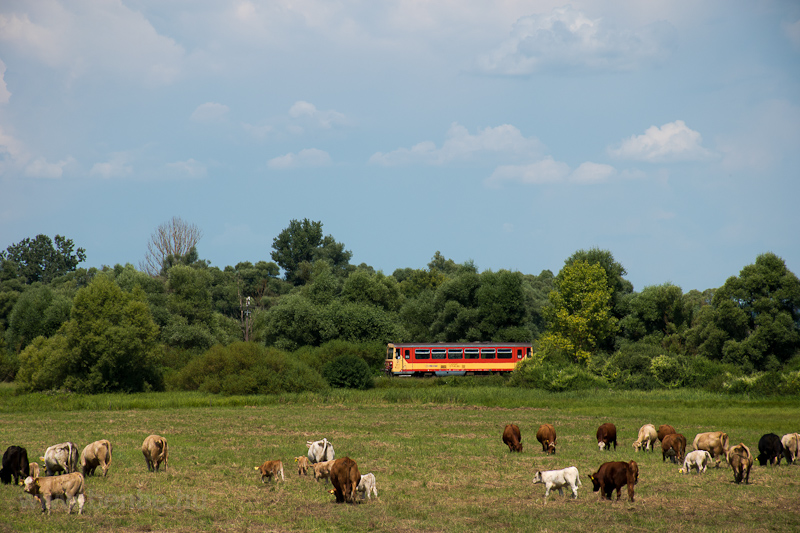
(647, 438)
(367, 486)
(697, 459)
(558, 479)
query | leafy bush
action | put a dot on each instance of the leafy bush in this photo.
(532, 374)
(348, 372)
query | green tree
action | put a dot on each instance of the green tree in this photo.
(38, 311)
(298, 246)
(39, 260)
(614, 275)
(658, 310)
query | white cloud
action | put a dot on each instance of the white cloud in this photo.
(40, 168)
(5, 94)
(592, 173)
(310, 157)
(210, 112)
(12, 152)
(117, 167)
(190, 167)
(460, 145)
(545, 171)
(324, 119)
(567, 38)
(671, 142)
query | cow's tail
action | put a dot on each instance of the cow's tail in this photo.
(71, 467)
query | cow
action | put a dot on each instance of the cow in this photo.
(606, 435)
(697, 459)
(61, 458)
(322, 470)
(615, 475)
(664, 430)
(647, 438)
(512, 438)
(741, 460)
(319, 451)
(65, 487)
(791, 446)
(302, 465)
(96, 454)
(558, 479)
(345, 479)
(714, 442)
(270, 470)
(366, 487)
(547, 436)
(15, 464)
(674, 447)
(155, 451)
(770, 450)
(33, 469)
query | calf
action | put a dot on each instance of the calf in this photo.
(68, 486)
(606, 435)
(322, 470)
(96, 454)
(34, 469)
(664, 430)
(647, 438)
(697, 459)
(791, 446)
(345, 479)
(770, 450)
(615, 475)
(674, 447)
(547, 436)
(512, 438)
(270, 470)
(558, 479)
(367, 486)
(714, 442)
(155, 451)
(302, 465)
(15, 464)
(741, 460)
(61, 458)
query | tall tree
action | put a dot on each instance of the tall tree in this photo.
(298, 246)
(174, 238)
(39, 260)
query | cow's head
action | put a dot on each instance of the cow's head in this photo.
(595, 482)
(551, 447)
(31, 485)
(537, 478)
(602, 445)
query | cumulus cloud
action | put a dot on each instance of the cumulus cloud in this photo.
(12, 152)
(190, 168)
(548, 170)
(210, 112)
(324, 119)
(40, 168)
(567, 38)
(116, 167)
(672, 142)
(460, 145)
(310, 157)
(5, 95)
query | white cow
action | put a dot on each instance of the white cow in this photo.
(557, 479)
(320, 451)
(367, 486)
(61, 458)
(791, 446)
(697, 459)
(647, 438)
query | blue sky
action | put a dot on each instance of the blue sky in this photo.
(509, 133)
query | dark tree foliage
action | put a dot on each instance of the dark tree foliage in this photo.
(38, 259)
(302, 243)
(348, 372)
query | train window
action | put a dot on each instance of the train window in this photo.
(408, 353)
(422, 353)
(471, 353)
(504, 353)
(438, 353)
(455, 353)
(487, 353)
(528, 352)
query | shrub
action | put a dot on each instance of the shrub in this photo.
(348, 372)
(554, 378)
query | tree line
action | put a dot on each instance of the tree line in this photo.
(177, 322)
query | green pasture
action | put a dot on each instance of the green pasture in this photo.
(435, 450)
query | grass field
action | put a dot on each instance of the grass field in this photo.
(436, 452)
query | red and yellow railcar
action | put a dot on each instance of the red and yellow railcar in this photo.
(454, 359)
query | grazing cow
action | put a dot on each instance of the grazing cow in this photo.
(366, 487)
(606, 435)
(674, 447)
(155, 451)
(302, 465)
(665, 430)
(15, 464)
(791, 446)
(615, 475)
(697, 459)
(714, 442)
(96, 454)
(512, 438)
(61, 458)
(68, 486)
(270, 470)
(345, 478)
(741, 460)
(319, 451)
(770, 450)
(558, 479)
(547, 436)
(647, 438)
(322, 470)
(33, 469)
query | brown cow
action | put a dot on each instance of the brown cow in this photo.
(547, 436)
(154, 449)
(512, 438)
(674, 447)
(323, 470)
(740, 459)
(345, 479)
(714, 442)
(302, 465)
(96, 454)
(606, 435)
(615, 475)
(665, 430)
(62, 487)
(270, 470)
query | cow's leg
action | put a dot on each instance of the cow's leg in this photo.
(574, 491)
(46, 499)
(547, 492)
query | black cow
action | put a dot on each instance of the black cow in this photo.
(15, 463)
(770, 450)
